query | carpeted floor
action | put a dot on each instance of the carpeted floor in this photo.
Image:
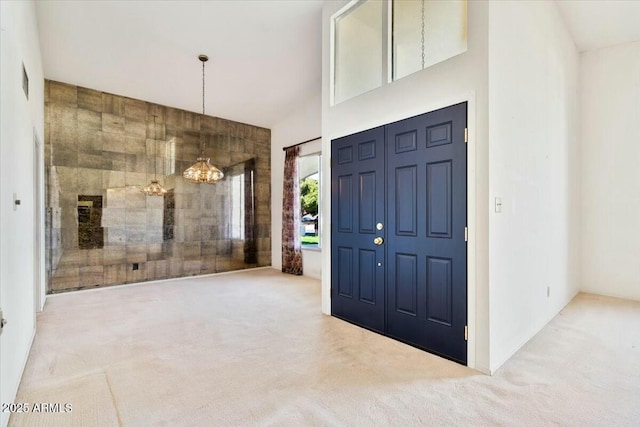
(252, 348)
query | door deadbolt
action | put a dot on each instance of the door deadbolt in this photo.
(378, 241)
(379, 226)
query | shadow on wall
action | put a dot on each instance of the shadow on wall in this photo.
(102, 230)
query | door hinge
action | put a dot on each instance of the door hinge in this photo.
(466, 234)
(466, 135)
(466, 333)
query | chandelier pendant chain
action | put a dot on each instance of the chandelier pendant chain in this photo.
(422, 38)
(203, 88)
(154, 188)
(155, 150)
(202, 171)
(202, 145)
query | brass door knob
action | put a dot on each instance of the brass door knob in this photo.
(378, 241)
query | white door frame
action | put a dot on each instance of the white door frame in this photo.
(39, 281)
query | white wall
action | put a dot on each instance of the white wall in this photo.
(610, 172)
(461, 78)
(18, 119)
(533, 134)
(303, 124)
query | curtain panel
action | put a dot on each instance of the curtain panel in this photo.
(291, 251)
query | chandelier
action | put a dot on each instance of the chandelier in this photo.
(202, 171)
(154, 188)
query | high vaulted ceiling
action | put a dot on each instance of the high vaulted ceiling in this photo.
(265, 56)
(595, 24)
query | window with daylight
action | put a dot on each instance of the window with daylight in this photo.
(358, 50)
(375, 42)
(309, 171)
(237, 215)
(427, 32)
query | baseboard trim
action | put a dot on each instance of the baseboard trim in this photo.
(155, 282)
(5, 420)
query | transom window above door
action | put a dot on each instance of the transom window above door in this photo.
(375, 42)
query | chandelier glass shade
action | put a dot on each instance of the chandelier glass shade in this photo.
(154, 188)
(202, 171)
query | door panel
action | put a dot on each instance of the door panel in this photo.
(367, 275)
(357, 205)
(345, 205)
(436, 241)
(439, 199)
(406, 284)
(406, 197)
(405, 142)
(367, 203)
(439, 302)
(345, 272)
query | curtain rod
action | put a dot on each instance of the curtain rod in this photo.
(300, 143)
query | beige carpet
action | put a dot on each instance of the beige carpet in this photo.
(252, 348)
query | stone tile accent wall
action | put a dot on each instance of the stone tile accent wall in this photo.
(101, 230)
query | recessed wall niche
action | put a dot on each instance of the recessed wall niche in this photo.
(101, 149)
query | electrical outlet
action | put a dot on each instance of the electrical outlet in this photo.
(498, 205)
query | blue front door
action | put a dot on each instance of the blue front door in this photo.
(357, 206)
(399, 230)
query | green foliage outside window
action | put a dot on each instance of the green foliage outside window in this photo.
(309, 196)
